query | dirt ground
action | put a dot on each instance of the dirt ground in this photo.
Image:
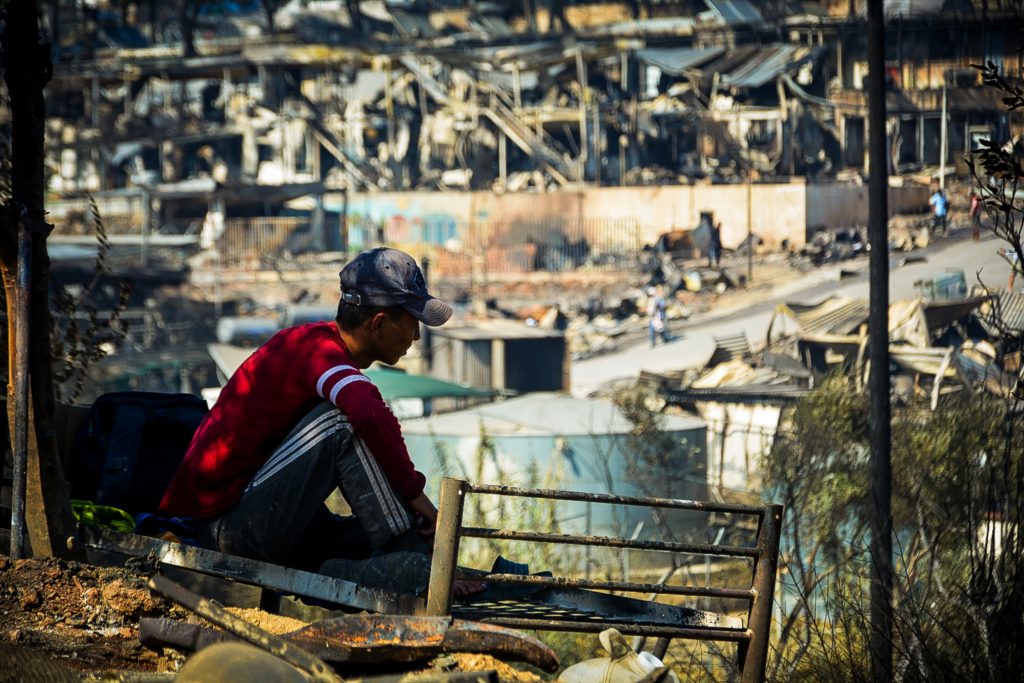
(87, 619)
(82, 616)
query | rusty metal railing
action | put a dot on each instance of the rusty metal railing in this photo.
(658, 620)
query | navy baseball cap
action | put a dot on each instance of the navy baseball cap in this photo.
(389, 277)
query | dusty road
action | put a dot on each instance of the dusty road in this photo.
(696, 340)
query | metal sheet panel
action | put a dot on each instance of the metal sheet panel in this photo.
(764, 66)
(735, 12)
(834, 316)
(677, 60)
(1009, 306)
(476, 363)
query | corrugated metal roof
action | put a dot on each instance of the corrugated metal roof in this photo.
(736, 381)
(1010, 308)
(834, 316)
(765, 65)
(912, 8)
(496, 329)
(675, 61)
(757, 394)
(731, 60)
(658, 26)
(735, 12)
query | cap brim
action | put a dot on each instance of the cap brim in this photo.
(429, 311)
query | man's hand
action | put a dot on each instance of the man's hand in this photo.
(426, 514)
(426, 525)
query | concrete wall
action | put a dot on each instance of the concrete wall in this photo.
(777, 211)
(834, 206)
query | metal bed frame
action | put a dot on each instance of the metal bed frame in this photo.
(572, 604)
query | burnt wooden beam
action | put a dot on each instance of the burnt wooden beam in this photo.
(253, 572)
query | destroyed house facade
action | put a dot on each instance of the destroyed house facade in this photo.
(421, 98)
(930, 70)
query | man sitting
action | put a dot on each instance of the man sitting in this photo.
(299, 418)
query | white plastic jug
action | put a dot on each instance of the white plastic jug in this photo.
(622, 665)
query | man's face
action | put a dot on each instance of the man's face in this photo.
(395, 336)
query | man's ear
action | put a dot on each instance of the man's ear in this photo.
(377, 323)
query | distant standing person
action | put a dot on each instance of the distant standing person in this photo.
(975, 216)
(657, 319)
(715, 245)
(940, 211)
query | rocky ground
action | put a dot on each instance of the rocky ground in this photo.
(86, 618)
(83, 616)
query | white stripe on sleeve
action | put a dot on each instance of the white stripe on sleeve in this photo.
(344, 383)
(327, 375)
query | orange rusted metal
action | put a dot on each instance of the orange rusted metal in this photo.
(372, 638)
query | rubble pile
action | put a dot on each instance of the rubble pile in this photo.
(84, 616)
(187, 121)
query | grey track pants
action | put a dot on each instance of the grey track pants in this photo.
(282, 517)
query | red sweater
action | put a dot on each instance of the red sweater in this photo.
(261, 403)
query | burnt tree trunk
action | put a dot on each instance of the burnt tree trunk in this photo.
(27, 69)
(268, 10)
(187, 26)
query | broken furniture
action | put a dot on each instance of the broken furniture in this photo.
(293, 652)
(574, 604)
(551, 603)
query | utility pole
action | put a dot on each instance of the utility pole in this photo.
(750, 228)
(943, 140)
(879, 411)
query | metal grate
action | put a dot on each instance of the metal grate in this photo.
(524, 609)
(544, 602)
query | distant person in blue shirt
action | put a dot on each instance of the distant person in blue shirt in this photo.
(940, 211)
(657, 315)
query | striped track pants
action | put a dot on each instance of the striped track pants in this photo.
(282, 518)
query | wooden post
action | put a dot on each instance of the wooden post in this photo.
(19, 372)
(581, 78)
(446, 546)
(750, 229)
(503, 160)
(48, 515)
(147, 226)
(517, 86)
(389, 107)
(754, 653)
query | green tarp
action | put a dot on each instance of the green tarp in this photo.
(394, 384)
